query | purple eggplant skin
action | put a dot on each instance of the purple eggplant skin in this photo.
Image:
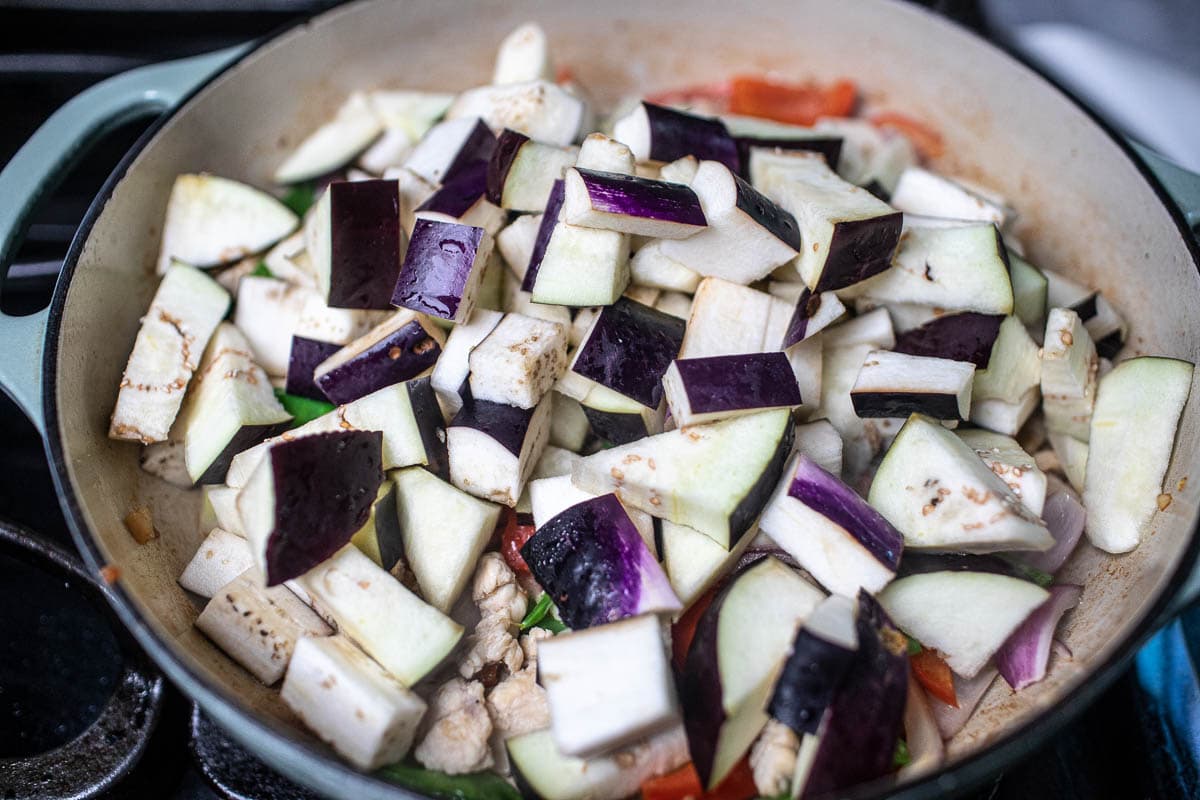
(959, 337)
(591, 560)
(876, 188)
(387, 528)
(306, 355)
(364, 240)
(507, 147)
(549, 220)
(630, 195)
(455, 197)
(860, 249)
(246, 437)
(920, 563)
(807, 306)
(1110, 346)
(614, 427)
(437, 267)
(828, 496)
(506, 424)
(431, 425)
(675, 134)
(812, 674)
(866, 715)
(476, 148)
(731, 383)
(324, 485)
(630, 348)
(700, 689)
(902, 404)
(830, 147)
(751, 505)
(767, 213)
(399, 357)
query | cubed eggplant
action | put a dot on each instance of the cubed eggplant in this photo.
(599, 152)
(831, 531)
(658, 133)
(568, 423)
(920, 191)
(1004, 456)
(522, 172)
(959, 337)
(895, 385)
(756, 132)
(551, 493)
(629, 204)
(268, 312)
(451, 147)
(453, 366)
(185, 311)
(220, 558)
(380, 537)
(306, 355)
(628, 349)
(727, 319)
(701, 390)
(612, 416)
(464, 200)
(1030, 290)
(1013, 368)
(359, 243)
(442, 269)
(748, 235)
(822, 654)
(650, 267)
(820, 442)
(516, 241)
(400, 348)
(593, 561)
(518, 362)
(550, 214)
(493, 447)
(308, 497)
(335, 144)
(539, 109)
(715, 478)
(582, 267)
(849, 235)
(1069, 374)
(523, 56)
(813, 314)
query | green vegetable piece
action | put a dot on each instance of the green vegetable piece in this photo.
(300, 198)
(902, 757)
(262, 271)
(914, 646)
(302, 409)
(537, 613)
(477, 786)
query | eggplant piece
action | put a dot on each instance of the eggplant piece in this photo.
(593, 561)
(308, 497)
(219, 559)
(870, 154)
(599, 152)
(866, 714)
(1138, 408)
(185, 311)
(959, 337)
(340, 326)
(551, 494)
(607, 686)
(516, 242)
(257, 626)
(681, 170)
(873, 328)
(582, 267)
(523, 56)
(268, 312)
(701, 390)
(813, 314)
(1069, 374)
(539, 109)
(1013, 368)
(714, 478)
(231, 407)
(335, 144)
(357, 243)
(650, 267)
(694, 562)
(442, 269)
(493, 448)
(839, 369)
(612, 416)
(831, 531)
(966, 616)
(1030, 291)
(389, 151)
(380, 536)
(428, 507)
(727, 319)
(628, 349)
(516, 301)
(212, 221)
(518, 362)
(351, 702)
(569, 424)
(820, 442)
(288, 260)
(543, 772)
(754, 132)
(522, 172)
(658, 133)
(740, 642)
(629, 204)
(366, 602)
(677, 304)
(896, 385)
(305, 356)
(463, 200)
(398, 349)
(956, 269)
(550, 214)
(220, 509)
(920, 191)
(822, 653)
(414, 113)
(748, 235)
(1004, 456)
(1107, 329)
(451, 147)
(1072, 455)
(849, 235)
(453, 366)
(937, 492)
(1023, 658)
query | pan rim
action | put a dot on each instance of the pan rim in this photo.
(966, 772)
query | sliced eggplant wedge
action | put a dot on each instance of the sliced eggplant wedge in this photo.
(959, 337)
(599, 152)
(463, 200)
(822, 654)
(629, 204)
(821, 443)
(539, 109)
(896, 384)
(549, 221)
(398, 349)
(920, 191)
(628, 349)
(813, 314)
(442, 269)
(580, 267)
(335, 144)
(701, 390)
(522, 172)
(524, 55)
(453, 366)
(1069, 373)
(380, 538)
(493, 448)
(450, 147)
(651, 267)
(1013, 367)
(1004, 456)
(1030, 291)
(186, 309)
(612, 416)
(518, 362)
(268, 313)
(658, 133)
(219, 559)
(213, 221)
(357, 242)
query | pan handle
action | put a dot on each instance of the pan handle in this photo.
(41, 164)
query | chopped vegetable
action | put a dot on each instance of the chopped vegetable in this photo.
(799, 104)
(932, 672)
(514, 536)
(902, 757)
(477, 786)
(300, 198)
(1024, 657)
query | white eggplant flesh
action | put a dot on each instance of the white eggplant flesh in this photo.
(1005, 457)
(582, 267)
(220, 558)
(516, 301)
(539, 109)
(920, 191)
(551, 495)
(569, 425)
(335, 144)
(268, 313)
(1069, 374)
(414, 113)
(677, 304)
(1002, 416)
(1072, 458)
(601, 153)
(518, 362)
(449, 146)
(728, 319)
(694, 562)
(523, 56)
(895, 384)
(221, 502)
(390, 150)
(516, 242)
(1013, 368)
(871, 328)
(289, 261)
(335, 325)
(453, 366)
(493, 448)
(821, 442)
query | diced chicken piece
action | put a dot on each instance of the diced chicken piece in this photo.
(773, 759)
(502, 604)
(519, 361)
(518, 705)
(456, 742)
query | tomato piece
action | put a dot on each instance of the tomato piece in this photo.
(682, 784)
(928, 141)
(738, 784)
(683, 631)
(701, 98)
(934, 675)
(516, 533)
(795, 103)
(564, 74)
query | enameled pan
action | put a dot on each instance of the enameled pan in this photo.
(1091, 206)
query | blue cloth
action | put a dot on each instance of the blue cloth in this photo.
(1167, 678)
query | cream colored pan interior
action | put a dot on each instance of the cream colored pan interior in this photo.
(1086, 210)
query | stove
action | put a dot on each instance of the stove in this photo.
(64, 661)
